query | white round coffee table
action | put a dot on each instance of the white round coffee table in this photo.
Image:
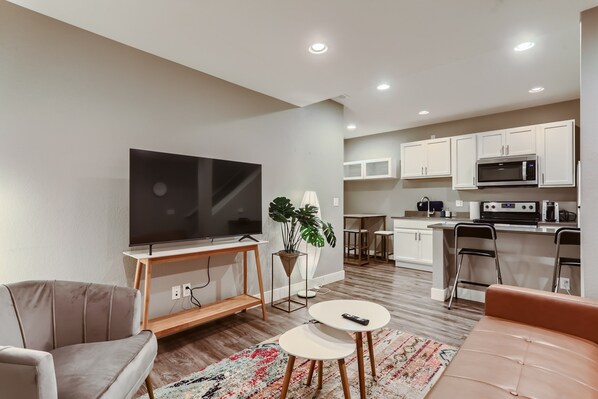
(316, 342)
(330, 313)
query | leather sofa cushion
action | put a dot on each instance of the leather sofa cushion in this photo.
(92, 370)
(506, 359)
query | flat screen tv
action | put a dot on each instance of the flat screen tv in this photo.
(179, 197)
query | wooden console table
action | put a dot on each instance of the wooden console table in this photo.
(173, 323)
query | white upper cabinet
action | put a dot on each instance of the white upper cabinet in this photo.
(426, 159)
(491, 144)
(413, 159)
(353, 170)
(520, 141)
(507, 142)
(383, 168)
(438, 157)
(464, 156)
(556, 154)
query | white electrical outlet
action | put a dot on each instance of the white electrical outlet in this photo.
(459, 203)
(564, 283)
(335, 201)
(187, 289)
(176, 292)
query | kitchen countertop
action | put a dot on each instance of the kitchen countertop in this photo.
(503, 228)
(421, 215)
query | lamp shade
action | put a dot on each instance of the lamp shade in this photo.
(313, 252)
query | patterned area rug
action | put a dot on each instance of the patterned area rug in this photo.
(407, 368)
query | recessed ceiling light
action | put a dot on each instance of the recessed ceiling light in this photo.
(524, 46)
(536, 89)
(351, 126)
(383, 86)
(318, 48)
(424, 112)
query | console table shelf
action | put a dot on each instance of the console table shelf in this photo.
(173, 323)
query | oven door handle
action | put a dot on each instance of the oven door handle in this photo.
(524, 170)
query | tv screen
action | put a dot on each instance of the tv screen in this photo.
(178, 197)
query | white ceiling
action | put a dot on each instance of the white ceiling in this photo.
(454, 58)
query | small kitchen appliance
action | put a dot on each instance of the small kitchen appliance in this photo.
(550, 211)
(510, 212)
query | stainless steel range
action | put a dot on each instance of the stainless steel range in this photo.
(510, 212)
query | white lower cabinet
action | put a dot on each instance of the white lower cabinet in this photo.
(413, 244)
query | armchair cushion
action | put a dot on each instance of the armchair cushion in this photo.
(104, 369)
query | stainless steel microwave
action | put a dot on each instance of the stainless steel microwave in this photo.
(508, 171)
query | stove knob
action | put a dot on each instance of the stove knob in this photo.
(531, 207)
(523, 207)
(493, 207)
(487, 206)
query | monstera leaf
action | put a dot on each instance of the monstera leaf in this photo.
(300, 224)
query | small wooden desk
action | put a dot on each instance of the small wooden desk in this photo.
(362, 217)
(173, 323)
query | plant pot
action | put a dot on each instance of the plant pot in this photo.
(288, 260)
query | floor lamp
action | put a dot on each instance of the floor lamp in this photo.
(313, 252)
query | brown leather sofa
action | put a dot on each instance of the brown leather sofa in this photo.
(63, 339)
(529, 344)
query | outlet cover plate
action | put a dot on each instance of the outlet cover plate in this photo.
(564, 283)
(176, 292)
(459, 203)
(187, 292)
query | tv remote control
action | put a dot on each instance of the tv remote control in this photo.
(356, 319)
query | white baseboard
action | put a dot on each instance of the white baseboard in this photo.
(438, 294)
(282, 292)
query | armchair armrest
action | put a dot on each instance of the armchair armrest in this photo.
(27, 374)
(563, 313)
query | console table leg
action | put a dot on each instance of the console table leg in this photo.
(146, 293)
(138, 270)
(259, 280)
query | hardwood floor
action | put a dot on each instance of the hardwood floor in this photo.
(405, 293)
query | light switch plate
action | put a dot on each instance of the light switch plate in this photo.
(335, 201)
(459, 203)
(176, 292)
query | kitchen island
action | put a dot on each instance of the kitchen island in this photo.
(526, 256)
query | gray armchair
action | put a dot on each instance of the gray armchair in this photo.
(61, 339)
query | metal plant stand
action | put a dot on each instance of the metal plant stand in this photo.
(288, 304)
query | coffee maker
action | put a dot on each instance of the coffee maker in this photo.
(550, 211)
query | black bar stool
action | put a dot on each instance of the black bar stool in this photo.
(482, 231)
(564, 236)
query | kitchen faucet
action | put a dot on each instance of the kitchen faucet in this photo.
(428, 213)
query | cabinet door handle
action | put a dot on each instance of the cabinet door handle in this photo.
(426, 171)
(507, 149)
(422, 170)
(415, 236)
(542, 178)
(502, 150)
(419, 238)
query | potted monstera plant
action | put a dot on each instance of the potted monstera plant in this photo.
(298, 224)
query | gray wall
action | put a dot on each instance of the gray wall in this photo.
(73, 103)
(589, 150)
(393, 197)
